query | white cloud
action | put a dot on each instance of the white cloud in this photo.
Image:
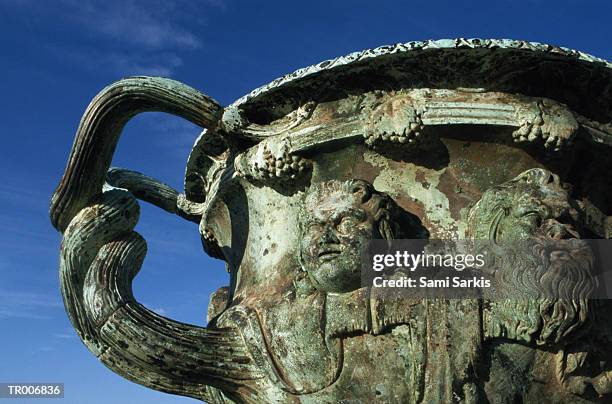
(154, 308)
(27, 305)
(125, 63)
(15, 312)
(65, 335)
(173, 133)
(161, 311)
(123, 37)
(22, 196)
(142, 23)
(29, 299)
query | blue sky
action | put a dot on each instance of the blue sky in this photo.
(56, 55)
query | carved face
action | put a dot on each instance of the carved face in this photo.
(542, 268)
(533, 204)
(336, 227)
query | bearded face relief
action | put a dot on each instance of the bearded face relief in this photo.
(442, 127)
(544, 275)
(535, 203)
(542, 268)
(339, 219)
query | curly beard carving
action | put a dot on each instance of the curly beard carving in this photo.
(542, 271)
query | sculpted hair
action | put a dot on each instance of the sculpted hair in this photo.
(543, 283)
(380, 205)
(497, 202)
(543, 290)
(566, 285)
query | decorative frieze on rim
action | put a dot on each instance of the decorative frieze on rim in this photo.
(414, 47)
(399, 120)
(394, 123)
(271, 161)
(547, 122)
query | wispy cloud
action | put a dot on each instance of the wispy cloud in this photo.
(173, 133)
(125, 63)
(124, 37)
(161, 311)
(142, 23)
(23, 197)
(31, 299)
(28, 305)
(65, 335)
(169, 138)
(20, 233)
(157, 309)
(6, 313)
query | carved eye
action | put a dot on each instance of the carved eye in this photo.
(314, 228)
(570, 215)
(347, 224)
(534, 218)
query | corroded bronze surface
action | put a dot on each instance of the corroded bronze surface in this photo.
(456, 139)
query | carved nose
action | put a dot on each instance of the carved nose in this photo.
(556, 232)
(553, 179)
(329, 236)
(559, 231)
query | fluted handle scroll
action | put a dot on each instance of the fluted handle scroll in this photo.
(101, 126)
(101, 254)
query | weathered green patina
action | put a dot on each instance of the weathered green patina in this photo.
(452, 139)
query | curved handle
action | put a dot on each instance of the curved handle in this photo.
(101, 126)
(101, 254)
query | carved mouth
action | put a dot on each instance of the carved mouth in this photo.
(329, 254)
(559, 231)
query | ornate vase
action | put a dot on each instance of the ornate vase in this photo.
(450, 139)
